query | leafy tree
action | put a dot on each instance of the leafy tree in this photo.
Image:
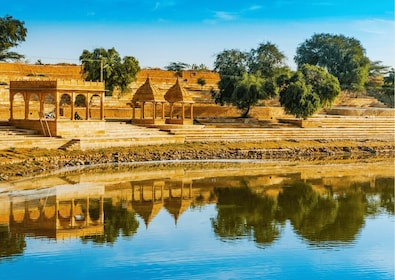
(388, 86)
(177, 67)
(247, 77)
(376, 76)
(249, 90)
(266, 59)
(12, 31)
(298, 99)
(343, 57)
(325, 85)
(200, 67)
(308, 90)
(107, 65)
(230, 64)
(201, 82)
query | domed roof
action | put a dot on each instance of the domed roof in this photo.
(148, 92)
(178, 94)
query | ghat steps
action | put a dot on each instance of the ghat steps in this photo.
(118, 134)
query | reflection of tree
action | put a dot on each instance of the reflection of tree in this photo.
(117, 220)
(244, 213)
(386, 188)
(11, 243)
(322, 218)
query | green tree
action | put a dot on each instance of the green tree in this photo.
(177, 67)
(200, 67)
(309, 89)
(247, 77)
(388, 87)
(12, 31)
(249, 90)
(266, 59)
(231, 65)
(325, 85)
(108, 66)
(343, 57)
(201, 82)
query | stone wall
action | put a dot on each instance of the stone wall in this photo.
(162, 79)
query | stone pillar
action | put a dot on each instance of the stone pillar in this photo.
(163, 110)
(102, 106)
(191, 111)
(42, 102)
(142, 109)
(12, 106)
(101, 211)
(87, 117)
(72, 105)
(133, 110)
(171, 110)
(27, 107)
(72, 219)
(57, 107)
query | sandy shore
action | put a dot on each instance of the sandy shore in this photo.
(17, 163)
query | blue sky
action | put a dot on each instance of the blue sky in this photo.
(164, 31)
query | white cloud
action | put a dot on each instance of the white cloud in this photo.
(254, 8)
(221, 15)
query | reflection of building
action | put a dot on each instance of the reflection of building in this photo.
(179, 199)
(66, 211)
(148, 198)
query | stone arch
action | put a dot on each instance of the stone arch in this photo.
(80, 105)
(18, 105)
(95, 107)
(65, 105)
(34, 106)
(49, 106)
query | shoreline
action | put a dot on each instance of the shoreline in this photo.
(21, 163)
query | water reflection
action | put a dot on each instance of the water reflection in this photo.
(326, 205)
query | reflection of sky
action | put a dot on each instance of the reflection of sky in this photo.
(190, 250)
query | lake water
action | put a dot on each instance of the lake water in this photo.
(208, 220)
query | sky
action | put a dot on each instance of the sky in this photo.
(159, 32)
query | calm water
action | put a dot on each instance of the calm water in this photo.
(256, 220)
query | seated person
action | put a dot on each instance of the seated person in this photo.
(77, 116)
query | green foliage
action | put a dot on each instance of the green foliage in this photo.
(308, 90)
(388, 87)
(200, 67)
(177, 67)
(12, 31)
(343, 57)
(11, 244)
(325, 85)
(201, 82)
(108, 65)
(298, 98)
(247, 77)
(266, 59)
(249, 90)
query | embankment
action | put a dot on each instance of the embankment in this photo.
(31, 162)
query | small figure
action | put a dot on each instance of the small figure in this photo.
(77, 116)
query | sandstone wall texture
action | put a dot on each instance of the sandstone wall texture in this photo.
(162, 79)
